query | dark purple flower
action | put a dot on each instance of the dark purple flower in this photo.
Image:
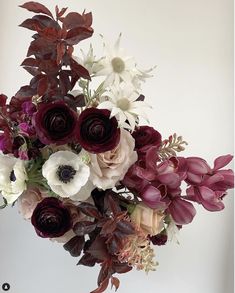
(97, 133)
(159, 239)
(51, 218)
(55, 123)
(146, 137)
(29, 108)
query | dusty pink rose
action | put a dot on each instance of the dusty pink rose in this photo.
(110, 167)
(149, 220)
(28, 201)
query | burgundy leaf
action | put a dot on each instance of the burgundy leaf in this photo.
(61, 12)
(126, 227)
(89, 210)
(49, 33)
(46, 21)
(87, 260)
(141, 98)
(121, 268)
(75, 245)
(77, 34)
(87, 19)
(98, 249)
(79, 69)
(104, 273)
(108, 227)
(79, 101)
(111, 204)
(115, 282)
(25, 91)
(65, 84)
(41, 47)
(32, 70)
(61, 49)
(85, 227)
(49, 67)
(103, 286)
(37, 8)
(3, 100)
(31, 24)
(42, 86)
(30, 62)
(73, 20)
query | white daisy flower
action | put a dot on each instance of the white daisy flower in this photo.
(89, 61)
(66, 174)
(123, 104)
(116, 66)
(13, 178)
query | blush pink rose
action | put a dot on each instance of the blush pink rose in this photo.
(110, 167)
(28, 201)
(149, 220)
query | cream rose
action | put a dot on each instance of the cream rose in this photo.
(110, 167)
(28, 201)
(149, 220)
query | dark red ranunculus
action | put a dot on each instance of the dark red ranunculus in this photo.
(97, 133)
(146, 137)
(55, 123)
(51, 218)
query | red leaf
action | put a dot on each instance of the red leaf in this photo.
(49, 67)
(42, 86)
(46, 21)
(61, 49)
(72, 20)
(3, 100)
(60, 13)
(126, 227)
(79, 70)
(87, 260)
(85, 227)
(75, 245)
(111, 204)
(108, 227)
(98, 249)
(77, 34)
(65, 84)
(89, 210)
(121, 268)
(31, 24)
(87, 19)
(32, 70)
(49, 33)
(36, 7)
(30, 62)
(103, 286)
(115, 282)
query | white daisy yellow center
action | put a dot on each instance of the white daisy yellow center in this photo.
(123, 104)
(118, 65)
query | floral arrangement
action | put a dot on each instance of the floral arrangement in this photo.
(80, 166)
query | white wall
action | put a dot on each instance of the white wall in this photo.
(192, 94)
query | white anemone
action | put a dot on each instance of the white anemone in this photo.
(13, 178)
(66, 174)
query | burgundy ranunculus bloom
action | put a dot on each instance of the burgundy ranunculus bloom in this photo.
(51, 218)
(97, 133)
(146, 137)
(55, 123)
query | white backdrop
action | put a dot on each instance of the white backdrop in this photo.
(191, 42)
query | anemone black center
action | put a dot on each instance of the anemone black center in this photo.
(66, 173)
(12, 176)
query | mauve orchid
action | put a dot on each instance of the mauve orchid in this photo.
(213, 184)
